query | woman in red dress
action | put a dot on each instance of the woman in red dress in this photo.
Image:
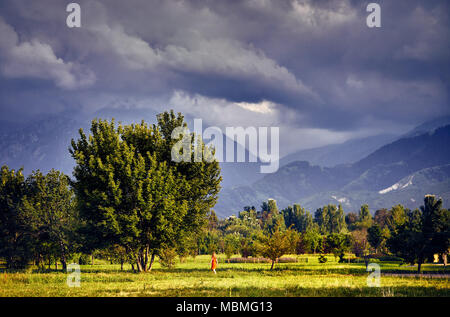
(214, 262)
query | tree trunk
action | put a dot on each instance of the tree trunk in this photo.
(273, 262)
(146, 259)
(56, 265)
(63, 256)
(121, 265)
(139, 262)
(419, 265)
(92, 259)
(152, 259)
(366, 261)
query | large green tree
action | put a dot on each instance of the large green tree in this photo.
(49, 204)
(130, 191)
(16, 243)
(424, 233)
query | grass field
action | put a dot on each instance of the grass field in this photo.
(193, 278)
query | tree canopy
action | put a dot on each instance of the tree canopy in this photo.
(132, 194)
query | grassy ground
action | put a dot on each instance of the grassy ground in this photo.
(193, 278)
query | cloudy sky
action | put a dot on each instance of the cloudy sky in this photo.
(312, 68)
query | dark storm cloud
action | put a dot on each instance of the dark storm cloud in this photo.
(317, 61)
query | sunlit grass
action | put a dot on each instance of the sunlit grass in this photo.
(193, 278)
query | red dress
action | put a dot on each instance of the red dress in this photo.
(213, 263)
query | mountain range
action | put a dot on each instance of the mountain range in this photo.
(402, 171)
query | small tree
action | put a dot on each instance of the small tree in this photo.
(167, 257)
(321, 249)
(375, 236)
(248, 247)
(275, 245)
(232, 243)
(364, 217)
(338, 244)
(311, 238)
(360, 245)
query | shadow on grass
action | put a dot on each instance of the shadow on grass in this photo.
(297, 291)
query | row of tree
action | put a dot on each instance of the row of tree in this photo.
(415, 236)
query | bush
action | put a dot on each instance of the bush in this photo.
(167, 257)
(361, 260)
(248, 260)
(261, 260)
(390, 258)
(322, 258)
(84, 259)
(287, 260)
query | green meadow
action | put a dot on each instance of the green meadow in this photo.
(193, 278)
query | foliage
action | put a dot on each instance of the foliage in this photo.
(167, 257)
(330, 219)
(49, 205)
(275, 244)
(424, 233)
(360, 245)
(338, 244)
(364, 217)
(132, 194)
(16, 243)
(298, 217)
(232, 244)
(375, 236)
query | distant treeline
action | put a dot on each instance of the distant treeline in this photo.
(412, 236)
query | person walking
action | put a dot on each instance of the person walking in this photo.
(214, 262)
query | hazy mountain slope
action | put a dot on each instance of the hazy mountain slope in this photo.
(44, 144)
(409, 191)
(41, 145)
(351, 184)
(428, 126)
(348, 152)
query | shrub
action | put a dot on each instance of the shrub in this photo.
(167, 257)
(361, 260)
(84, 259)
(390, 258)
(248, 260)
(287, 260)
(322, 258)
